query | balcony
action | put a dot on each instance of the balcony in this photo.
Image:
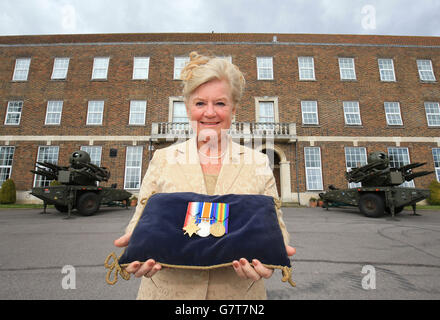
(246, 131)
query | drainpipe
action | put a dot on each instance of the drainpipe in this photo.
(296, 168)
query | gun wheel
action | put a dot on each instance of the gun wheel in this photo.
(372, 205)
(88, 203)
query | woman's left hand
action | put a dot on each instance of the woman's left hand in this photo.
(256, 271)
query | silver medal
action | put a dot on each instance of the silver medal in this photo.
(205, 227)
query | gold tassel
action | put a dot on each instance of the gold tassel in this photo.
(114, 266)
(287, 276)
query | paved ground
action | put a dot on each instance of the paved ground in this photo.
(332, 249)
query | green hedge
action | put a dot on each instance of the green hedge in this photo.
(8, 192)
(434, 198)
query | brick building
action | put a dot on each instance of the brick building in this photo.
(317, 104)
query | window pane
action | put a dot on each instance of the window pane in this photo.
(398, 158)
(133, 167)
(179, 64)
(179, 112)
(94, 153)
(21, 70)
(94, 113)
(13, 113)
(265, 68)
(312, 158)
(137, 112)
(432, 113)
(60, 67)
(100, 67)
(140, 68)
(45, 154)
(6, 156)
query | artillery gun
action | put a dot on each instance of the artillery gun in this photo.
(381, 189)
(78, 186)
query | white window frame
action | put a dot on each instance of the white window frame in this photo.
(386, 70)
(401, 152)
(141, 66)
(133, 164)
(10, 112)
(95, 153)
(392, 113)
(60, 68)
(6, 161)
(304, 68)
(436, 156)
(138, 109)
(352, 112)
(313, 170)
(357, 155)
(95, 111)
(432, 111)
(179, 64)
(309, 108)
(41, 181)
(264, 68)
(54, 111)
(426, 71)
(100, 68)
(21, 70)
(347, 69)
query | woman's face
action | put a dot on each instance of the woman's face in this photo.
(211, 108)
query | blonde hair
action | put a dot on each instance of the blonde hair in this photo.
(202, 69)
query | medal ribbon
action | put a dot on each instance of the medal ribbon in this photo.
(208, 211)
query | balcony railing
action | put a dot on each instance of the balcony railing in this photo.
(239, 130)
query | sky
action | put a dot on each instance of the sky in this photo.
(381, 17)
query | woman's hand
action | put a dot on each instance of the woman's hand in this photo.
(256, 271)
(147, 269)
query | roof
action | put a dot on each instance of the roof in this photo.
(276, 38)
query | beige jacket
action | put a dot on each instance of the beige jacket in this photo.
(177, 169)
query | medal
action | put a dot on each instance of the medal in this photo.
(205, 218)
(217, 229)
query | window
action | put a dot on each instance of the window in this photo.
(94, 112)
(312, 158)
(133, 167)
(266, 112)
(432, 113)
(392, 113)
(100, 68)
(13, 114)
(400, 157)
(45, 154)
(436, 155)
(179, 64)
(309, 110)
(94, 153)
(53, 112)
(179, 112)
(21, 70)
(355, 157)
(60, 67)
(346, 69)
(140, 68)
(386, 70)
(6, 156)
(265, 68)
(351, 113)
(306, 68)
(137, 112)
(426, 73)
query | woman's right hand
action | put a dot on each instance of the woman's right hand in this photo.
(147, 269)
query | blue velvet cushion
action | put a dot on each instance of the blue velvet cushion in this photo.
(251, 231)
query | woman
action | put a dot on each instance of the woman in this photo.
(209, 163)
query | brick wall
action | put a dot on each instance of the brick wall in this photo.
(117, 91)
